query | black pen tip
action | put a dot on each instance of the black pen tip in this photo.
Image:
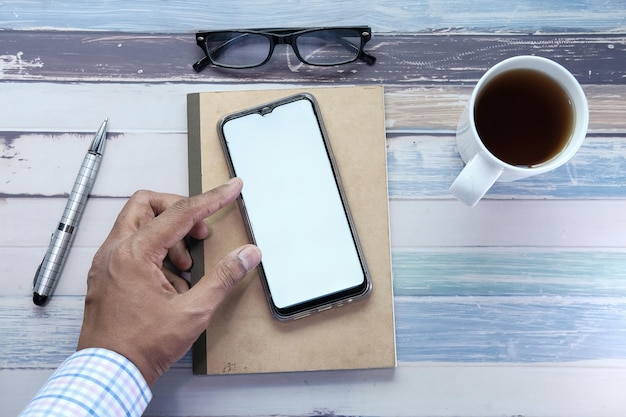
(40, 300)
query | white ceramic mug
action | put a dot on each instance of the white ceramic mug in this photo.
(482, 167)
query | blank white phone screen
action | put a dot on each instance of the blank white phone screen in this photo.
(293, 204)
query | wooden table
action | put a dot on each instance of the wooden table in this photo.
(514, 307)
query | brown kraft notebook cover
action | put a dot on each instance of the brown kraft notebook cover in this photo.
(243, 337)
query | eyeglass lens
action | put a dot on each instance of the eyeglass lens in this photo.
(329, 47)
(238, 49)
(320, 47)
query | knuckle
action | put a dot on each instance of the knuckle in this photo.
(141, 195)
(228, 275)
(217, 199)
(121, 257)
(183, 205)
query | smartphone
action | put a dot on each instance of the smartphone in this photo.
(294, 207)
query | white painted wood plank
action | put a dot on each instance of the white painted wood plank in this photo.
(18, 267)
(383, 15)
(29, 222)
(161, 107)
(512, 223)
(46, 164)
(419, 166)
(412, 390)
(26, 225)
(82, 107)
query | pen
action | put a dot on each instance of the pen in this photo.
(49, 271)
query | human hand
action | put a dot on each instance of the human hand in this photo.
(134, 305)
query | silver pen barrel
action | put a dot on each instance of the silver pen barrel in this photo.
(77, 200)
(48, 273)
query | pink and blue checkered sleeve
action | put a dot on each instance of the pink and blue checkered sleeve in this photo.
(92, 382)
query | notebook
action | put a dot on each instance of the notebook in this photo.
(243, 337)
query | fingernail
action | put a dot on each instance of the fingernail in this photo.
(250, 256)
(232, 180)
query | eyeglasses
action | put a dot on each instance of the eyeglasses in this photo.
(253, 48)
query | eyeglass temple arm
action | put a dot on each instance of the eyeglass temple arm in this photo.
(368, 58)
(201, 64)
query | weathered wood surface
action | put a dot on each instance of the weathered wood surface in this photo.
(402, 59)
(514, 307)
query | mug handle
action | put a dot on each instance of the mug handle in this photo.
(478, 175)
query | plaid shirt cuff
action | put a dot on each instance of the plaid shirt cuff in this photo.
(92, 382)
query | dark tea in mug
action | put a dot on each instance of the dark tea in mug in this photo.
(524, 117)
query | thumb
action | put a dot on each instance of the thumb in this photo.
(213, 288)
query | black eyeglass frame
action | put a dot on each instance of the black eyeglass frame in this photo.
(285, 36)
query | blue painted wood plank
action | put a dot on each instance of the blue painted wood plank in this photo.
(35, 337)
(506, 272)
(526, 330)
(503, 305)
(425, 166)
(383, 15)
(457, 329)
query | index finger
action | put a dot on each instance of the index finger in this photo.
(175, 222)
